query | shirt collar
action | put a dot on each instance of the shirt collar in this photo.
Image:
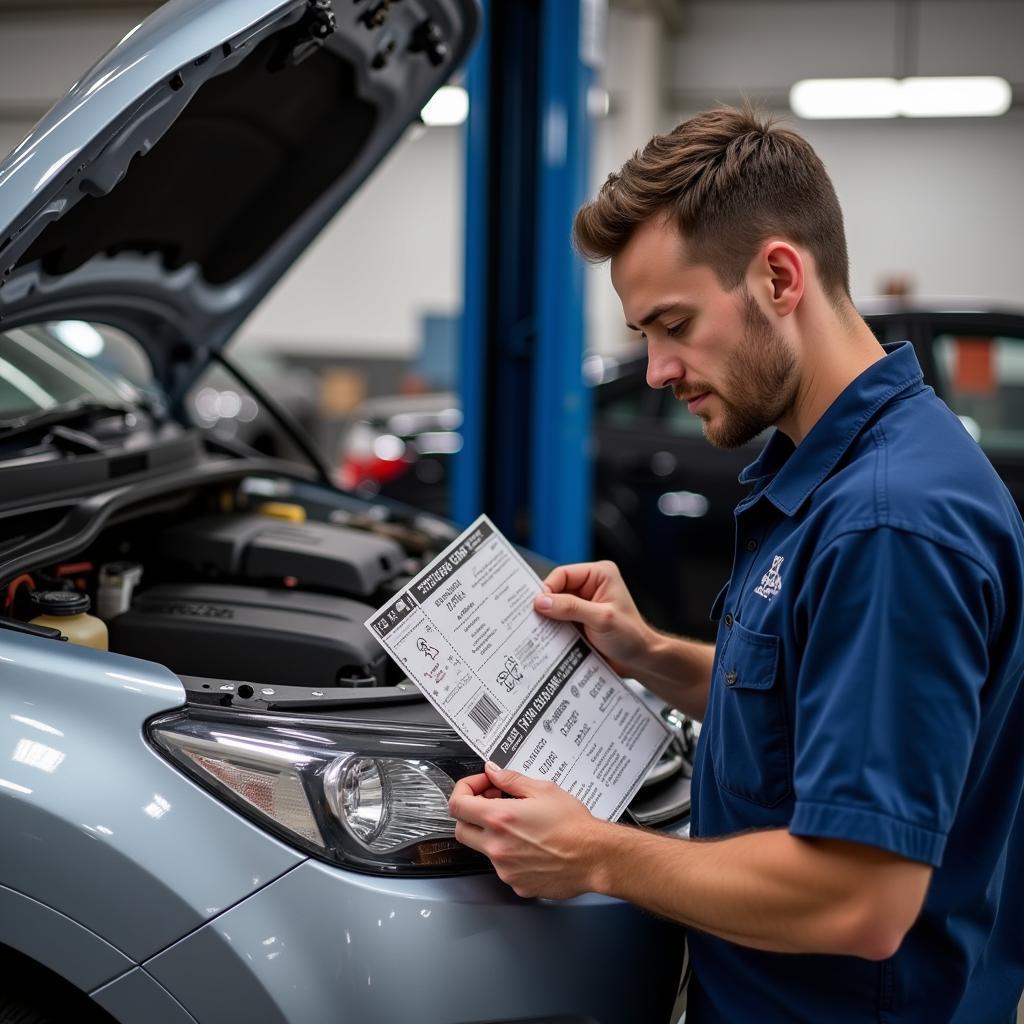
(788, 475)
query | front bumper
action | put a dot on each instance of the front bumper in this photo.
(321, 945)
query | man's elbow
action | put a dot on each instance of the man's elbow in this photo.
(876, 932)
(882, 898)
(879, 943)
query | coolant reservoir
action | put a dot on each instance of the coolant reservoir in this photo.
(67, 610)
(115, 584)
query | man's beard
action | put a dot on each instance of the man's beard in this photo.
(760, 385)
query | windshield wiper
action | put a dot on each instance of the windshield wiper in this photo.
(64, 413)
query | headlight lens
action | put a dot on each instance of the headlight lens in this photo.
(388, 804)
(365, 795)
(362, 798)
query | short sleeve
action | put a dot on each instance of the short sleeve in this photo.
(888, 690)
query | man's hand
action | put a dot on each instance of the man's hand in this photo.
(538, 842)
(594, 595)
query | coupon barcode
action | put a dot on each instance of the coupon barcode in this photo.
(484, 713)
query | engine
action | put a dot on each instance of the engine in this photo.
(257, 591)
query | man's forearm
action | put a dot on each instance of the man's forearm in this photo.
(678, 671)
(768, 890)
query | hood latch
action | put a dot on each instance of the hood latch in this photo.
(304, 38)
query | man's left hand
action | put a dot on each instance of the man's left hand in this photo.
(539, 843)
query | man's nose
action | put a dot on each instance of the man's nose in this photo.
(663, 368)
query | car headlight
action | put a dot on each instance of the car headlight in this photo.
(369, 796)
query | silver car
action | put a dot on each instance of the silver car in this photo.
(219, 801)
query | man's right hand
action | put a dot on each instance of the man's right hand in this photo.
(594, 595)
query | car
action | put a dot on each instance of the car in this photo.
(220, 801)
(663, 496)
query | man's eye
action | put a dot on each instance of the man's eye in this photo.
(676, 329)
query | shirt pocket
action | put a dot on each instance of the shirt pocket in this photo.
(750, 748)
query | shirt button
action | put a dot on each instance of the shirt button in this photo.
(728, 618)
(751, 545)
(730, 678)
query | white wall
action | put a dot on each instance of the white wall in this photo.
(938, 199)
(393, 253)
(633, 77)
(41, 57)
(727, 46)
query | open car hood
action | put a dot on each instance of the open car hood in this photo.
(176, 182)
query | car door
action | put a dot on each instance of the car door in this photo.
(977, 368)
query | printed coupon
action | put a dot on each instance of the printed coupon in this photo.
(523, 691)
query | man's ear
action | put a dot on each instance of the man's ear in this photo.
(780, 271)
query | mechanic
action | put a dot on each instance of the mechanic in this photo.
(858, 780)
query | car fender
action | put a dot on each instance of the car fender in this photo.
(97, 825)
(58, 943)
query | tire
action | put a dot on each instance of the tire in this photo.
(30, 994)
(20, 1010)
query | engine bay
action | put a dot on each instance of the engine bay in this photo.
(231, 583)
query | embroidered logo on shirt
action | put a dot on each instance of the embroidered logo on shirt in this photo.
(771, 581)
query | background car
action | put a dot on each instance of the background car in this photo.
(663, 496)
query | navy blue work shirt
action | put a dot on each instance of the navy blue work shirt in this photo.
(867, 687)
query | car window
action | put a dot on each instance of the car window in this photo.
(225, 407)
(982, 379)
(625, 410)
(49, 364)
(622, 398)
(888, 330)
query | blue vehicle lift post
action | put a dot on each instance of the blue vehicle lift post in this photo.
(525, 459)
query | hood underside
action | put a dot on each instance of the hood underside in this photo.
(182, 176)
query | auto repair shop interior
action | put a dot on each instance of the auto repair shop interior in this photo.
(289, 298)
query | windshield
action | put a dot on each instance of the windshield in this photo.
(71, 371)
(51, 365)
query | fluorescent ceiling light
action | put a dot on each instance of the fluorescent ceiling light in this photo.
(448, 106)
(845, 97)
(978, 96)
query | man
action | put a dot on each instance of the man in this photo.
(858, 782)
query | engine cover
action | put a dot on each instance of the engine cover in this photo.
(259, 548)
(258, 635)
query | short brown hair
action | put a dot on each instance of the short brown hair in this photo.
(730, 178)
